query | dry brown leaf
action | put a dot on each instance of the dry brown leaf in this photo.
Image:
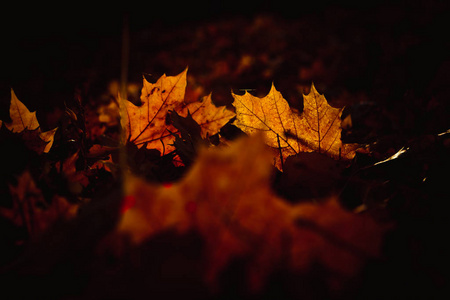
(70, 171)
(288, 132)
(30, 209)
(226, 197)
(25, 122)
(149, 123)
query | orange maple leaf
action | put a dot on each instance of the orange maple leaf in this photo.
(317, 128)
(226, 197)
(25, 123)
(148, 124)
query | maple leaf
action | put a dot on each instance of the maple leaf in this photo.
(317, 128)
(149, 123)
(25, 123)
(226, 197)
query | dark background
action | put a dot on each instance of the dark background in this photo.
(391, 46)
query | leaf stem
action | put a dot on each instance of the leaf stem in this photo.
(281, 152)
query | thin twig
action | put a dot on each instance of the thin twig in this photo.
(123, 81)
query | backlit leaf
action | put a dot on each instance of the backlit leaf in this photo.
(149, 123)
(21, 117)
(288, 132)
(25, 123)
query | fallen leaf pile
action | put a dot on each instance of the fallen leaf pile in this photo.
(194, 199)
(32, 211)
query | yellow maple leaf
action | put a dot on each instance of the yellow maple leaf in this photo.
(148, 124)
(25, 122)
(317, 128)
